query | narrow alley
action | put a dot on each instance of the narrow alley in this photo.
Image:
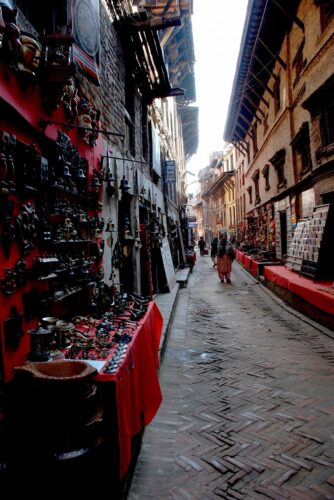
(247, 406)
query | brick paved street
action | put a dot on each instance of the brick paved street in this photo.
(248, 407)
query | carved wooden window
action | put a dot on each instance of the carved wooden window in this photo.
(48, 17)
(255, 179)
(254, 139)
(327, 124)
(326, 11)
(146, 134)
(265, 124)
(250, 194)
(302, 150)
(265, 173)
(248, 153)
(278, 160)
(321, 106)
(298, 63)
(129, 111)
(277, 95)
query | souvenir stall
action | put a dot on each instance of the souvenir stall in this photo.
(78, 357)
(258, 248)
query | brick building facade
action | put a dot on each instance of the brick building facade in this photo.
(281, 119)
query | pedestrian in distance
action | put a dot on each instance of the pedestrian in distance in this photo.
(214, 251)
(201, 245)
(225, 258)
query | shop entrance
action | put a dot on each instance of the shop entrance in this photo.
(283, 224)
(328, 197)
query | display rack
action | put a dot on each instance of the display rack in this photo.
(311, 246)
(295, 250)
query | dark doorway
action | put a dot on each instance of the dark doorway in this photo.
(328, 197)
(282, 218)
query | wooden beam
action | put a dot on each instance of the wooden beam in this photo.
(235, 144)
(242, 142)
(259, 96)
(265, 68)
(262, 84)
(166, 8)
(250, 100)
(252, 112)
(245, 118)
(244, 130)
(295, 19)
(277, 57)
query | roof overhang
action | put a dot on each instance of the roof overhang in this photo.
(144, 55)
(189, 118)
(266, 25)
(164, 9)
(219, 183)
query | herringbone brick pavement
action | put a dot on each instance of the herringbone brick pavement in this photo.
(248, 407)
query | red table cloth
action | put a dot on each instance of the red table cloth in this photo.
(138, 393)
(318, 293)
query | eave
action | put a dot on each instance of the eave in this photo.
(189, 118)
(180, 59)
(219, 183)
(266, 25)
(163, 9)
(144, 56)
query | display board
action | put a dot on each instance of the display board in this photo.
(311, 247)
(168, 264)
(295, 250)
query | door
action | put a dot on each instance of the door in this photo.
(283, 225)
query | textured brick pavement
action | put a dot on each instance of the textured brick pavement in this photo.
(248, 407)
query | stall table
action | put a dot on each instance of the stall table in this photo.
(135, 383)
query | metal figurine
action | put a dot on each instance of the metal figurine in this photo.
(26, 224)
(69, 100)
(7, 159)
(7, 236)
(11, 44)
(57, 70)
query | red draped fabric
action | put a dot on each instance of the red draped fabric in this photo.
(138, 393)
(255, 267)
(318, 293)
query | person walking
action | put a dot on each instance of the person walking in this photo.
(214, 250)
(225, 258)
(201, 245)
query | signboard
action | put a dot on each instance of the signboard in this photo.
(156, 155)
(168, 263)
(170, 171)
(308, 203)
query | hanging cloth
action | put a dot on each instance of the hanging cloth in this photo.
(86, 33)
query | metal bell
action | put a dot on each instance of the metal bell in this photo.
(124, 185)
(128, 236)
(110, 226)
(95, 182)
(66, 172)
(109, 177)
(81, 174)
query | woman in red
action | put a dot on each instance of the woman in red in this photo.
(225, 258)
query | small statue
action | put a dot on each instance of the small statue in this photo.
(30, 54)
(69, 100)
(10, 32)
